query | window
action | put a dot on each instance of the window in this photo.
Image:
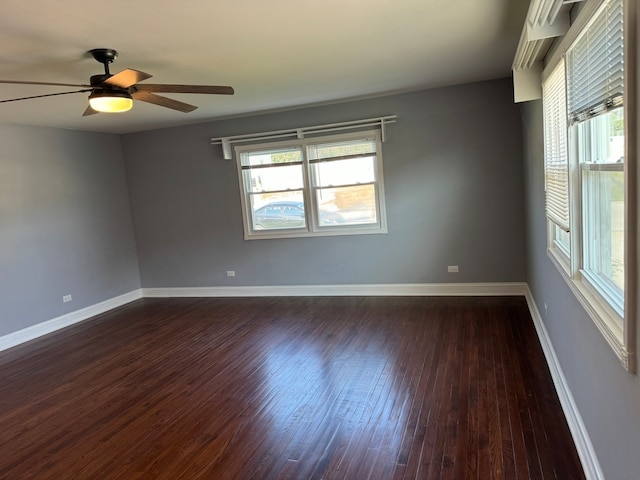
(600, 152)
(313, 187)
(585, 179)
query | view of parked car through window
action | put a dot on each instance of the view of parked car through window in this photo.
(289, 215)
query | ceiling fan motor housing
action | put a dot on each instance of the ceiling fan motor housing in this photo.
(104, 55)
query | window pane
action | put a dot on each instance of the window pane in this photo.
(604, 225)
(270, 157)
(271, 179)
(277, 211)
(562, 240)
(601, 151)
(344, 172)
(354, 205)
(341, 149)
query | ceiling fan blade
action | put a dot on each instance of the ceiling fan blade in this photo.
(163, 101)
(127, 78)
(89, 111)
(22, 82)
(46, 95)
(209, 89)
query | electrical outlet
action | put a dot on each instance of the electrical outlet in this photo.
(66, 298)
(231, 273)
(453, 269)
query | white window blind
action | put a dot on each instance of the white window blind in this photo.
(555, 148)
(595, 69)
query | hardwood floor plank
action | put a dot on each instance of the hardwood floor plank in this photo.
(507, 447)
(301, 388)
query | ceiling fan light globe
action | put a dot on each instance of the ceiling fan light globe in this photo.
(110, 102)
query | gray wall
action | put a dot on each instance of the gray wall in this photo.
(454, 196)
(606, 395)
(65, 224)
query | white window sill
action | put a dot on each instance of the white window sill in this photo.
(324, 232)
(608, 321)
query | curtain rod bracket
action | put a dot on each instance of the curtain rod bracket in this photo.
(226, 148)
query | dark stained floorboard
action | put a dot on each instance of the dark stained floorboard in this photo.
(299, 388)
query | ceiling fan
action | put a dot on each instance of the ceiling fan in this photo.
(115, 93)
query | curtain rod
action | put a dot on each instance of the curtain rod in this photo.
(226, 142)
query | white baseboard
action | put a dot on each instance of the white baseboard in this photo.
(581, 438)
(40, 329)
(403, 289)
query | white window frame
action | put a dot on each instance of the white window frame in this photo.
(604, 287)
(313, 228)
(617, 325)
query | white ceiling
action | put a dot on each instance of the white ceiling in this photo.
(275, 53)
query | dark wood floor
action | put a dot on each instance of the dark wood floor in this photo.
(301, 388)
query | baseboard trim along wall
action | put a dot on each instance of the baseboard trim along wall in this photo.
(30, 333)
(578, 430)
(399, 289)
